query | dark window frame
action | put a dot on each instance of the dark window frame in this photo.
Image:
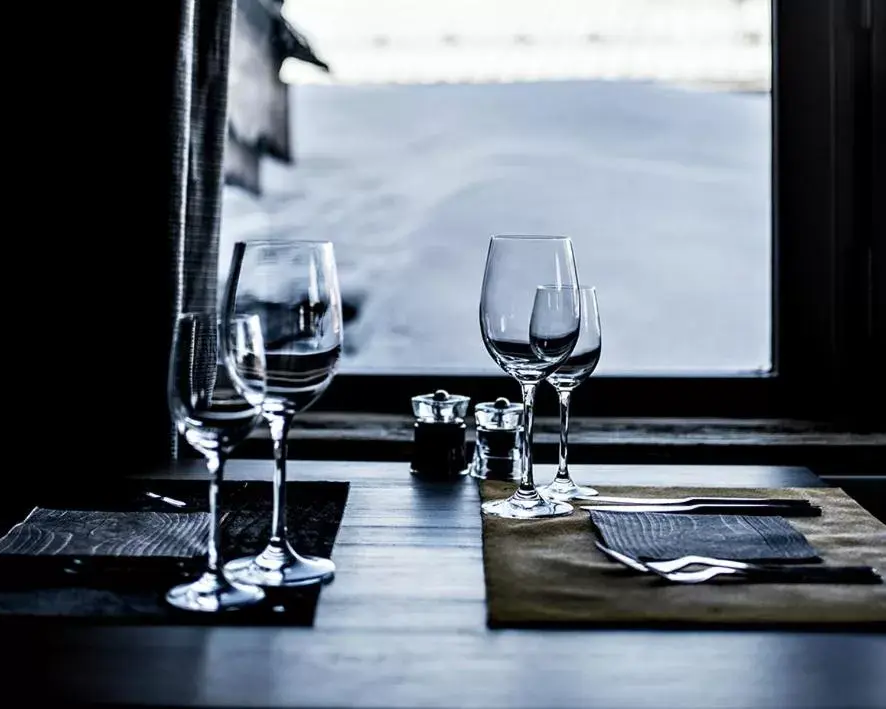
(827, 329)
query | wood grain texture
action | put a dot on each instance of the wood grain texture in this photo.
(102, 533)
(403, 625)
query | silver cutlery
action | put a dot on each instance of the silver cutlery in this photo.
(617, 500)
(684, 561)
(168, 500)
(763, 509)
(628, 561)
(779, 574)
(751, 572)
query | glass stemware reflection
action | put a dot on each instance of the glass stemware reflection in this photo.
(574, 372)
(215, 392)
(293, 287)
(529, 318)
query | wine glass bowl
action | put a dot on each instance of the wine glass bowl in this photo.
(577, 368)
(215, 393)
(529, 320)
(293, 287)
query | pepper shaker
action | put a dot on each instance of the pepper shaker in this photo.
(439, 431)
(497, 452)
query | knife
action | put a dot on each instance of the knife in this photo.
(793, 501)
(714, 509)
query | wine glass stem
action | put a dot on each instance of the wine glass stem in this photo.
(527, 483)
(563, 466)
(279, 434)
(216, 465)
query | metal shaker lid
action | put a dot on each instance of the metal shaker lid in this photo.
(500, 414)
(440, 407)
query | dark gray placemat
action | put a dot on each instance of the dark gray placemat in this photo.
(129, 587)
(657, 535)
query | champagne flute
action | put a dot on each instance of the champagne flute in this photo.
(215, 391)
(529, 318)
(575, 371)
(293, 287)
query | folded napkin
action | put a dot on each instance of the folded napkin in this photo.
(75, 533)
(658, 535)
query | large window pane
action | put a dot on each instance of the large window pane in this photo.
(641, 128)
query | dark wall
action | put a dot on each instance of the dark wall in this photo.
(88, 278)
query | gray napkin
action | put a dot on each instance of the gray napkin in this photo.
(108, 534)
(657, 535)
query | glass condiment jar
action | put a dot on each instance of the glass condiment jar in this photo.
(497, 451)
(439, 434)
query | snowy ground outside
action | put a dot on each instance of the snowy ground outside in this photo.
(663, 182)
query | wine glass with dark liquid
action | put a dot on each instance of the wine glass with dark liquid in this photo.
(530, 313)
(570, 375)
(293, 287)
(215, 392)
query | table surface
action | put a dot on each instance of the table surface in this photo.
(403, 625)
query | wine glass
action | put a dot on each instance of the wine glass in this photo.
(293, 287)
(215, 391)
(529, 318)
(575, 371)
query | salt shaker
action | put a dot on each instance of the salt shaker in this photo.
(439, 447)
(497, 453)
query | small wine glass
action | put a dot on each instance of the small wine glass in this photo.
(215, 391)
(293, 287)
(529, 318)
(575, 371)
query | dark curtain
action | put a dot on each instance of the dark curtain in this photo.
(125, 125)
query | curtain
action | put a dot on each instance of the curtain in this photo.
(143, 224)
(201, 109)
(115, 156)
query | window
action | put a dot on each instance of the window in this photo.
(701, 194)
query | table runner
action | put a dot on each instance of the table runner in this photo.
(548, 573)
(131, 590)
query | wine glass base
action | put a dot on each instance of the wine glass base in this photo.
(212, 593)
(280, 566)
(565, 490)
(522, 505)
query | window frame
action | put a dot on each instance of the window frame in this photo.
(824, 322)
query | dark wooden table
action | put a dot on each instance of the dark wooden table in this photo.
(403, 625)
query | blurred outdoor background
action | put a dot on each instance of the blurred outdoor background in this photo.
(640, 128)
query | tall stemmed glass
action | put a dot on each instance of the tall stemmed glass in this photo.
(293, 287)
(215, 392)
(529, 318)
(575, 371)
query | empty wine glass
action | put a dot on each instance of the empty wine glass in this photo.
(293, 287)
(215, 391)
(576, 370)
(529, 318)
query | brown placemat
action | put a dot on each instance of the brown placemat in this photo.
(548, 573)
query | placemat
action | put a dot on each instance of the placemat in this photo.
(548, 573)
(131, 589)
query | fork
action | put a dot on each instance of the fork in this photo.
(684, 561)
(784, 574)
(805, 571)
(795, 574)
